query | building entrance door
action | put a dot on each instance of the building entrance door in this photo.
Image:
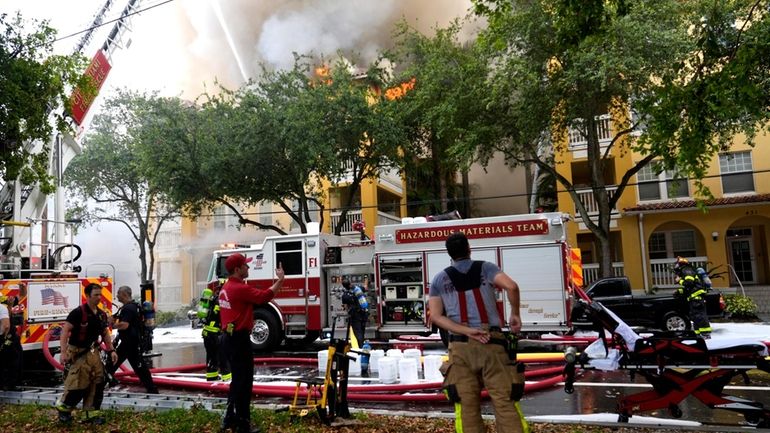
(742, 256)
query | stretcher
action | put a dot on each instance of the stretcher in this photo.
(677, 365)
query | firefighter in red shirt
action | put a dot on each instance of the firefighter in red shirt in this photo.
(236, 303)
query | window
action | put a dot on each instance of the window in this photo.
(737, 172)
(672, 244)
(289, 254)
(657, 246)
(654, 183)
(647, 183)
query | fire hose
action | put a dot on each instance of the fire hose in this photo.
(378, 393)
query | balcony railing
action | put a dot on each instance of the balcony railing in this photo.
(587, 198)
(351, 217)
(603, 131)
(591, 271)
(661, 270)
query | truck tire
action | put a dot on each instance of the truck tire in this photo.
(673, 321)
(266, 333)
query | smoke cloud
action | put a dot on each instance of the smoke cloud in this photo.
(270, 32)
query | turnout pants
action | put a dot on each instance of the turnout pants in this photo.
(85, 380)
(10, 361)
(473, 365)
(238, 351)
(130, 352)
(216, 363)
(699, 317)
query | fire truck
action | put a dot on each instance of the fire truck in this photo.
(395, 271)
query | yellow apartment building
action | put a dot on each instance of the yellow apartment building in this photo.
(657, 219)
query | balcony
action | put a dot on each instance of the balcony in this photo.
(578, 141)
(388, 177)
(383, 218)
(661, 273)
(587, 198)
(591, 271)
(351, 217)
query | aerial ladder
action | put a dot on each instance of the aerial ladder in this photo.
(32, 234)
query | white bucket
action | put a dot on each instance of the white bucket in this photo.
(374, 359)
(407, 220)
(395, 353)
(313, 228)
(354, 367)
(388, 370)
(323, 358)
(431, 366)
(420, 220)
(415, 354)
(407, 370)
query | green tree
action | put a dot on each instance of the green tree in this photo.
(34, 86)
(110, 182)
(444, 109)
(560, 65)
(276, 140)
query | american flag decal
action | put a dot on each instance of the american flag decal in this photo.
(53, 297)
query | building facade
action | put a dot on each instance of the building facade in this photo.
(657, 218)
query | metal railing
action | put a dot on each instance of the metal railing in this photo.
(351, 217)
(662, 274)
(587, 198)
(384, 218)
(591, 271)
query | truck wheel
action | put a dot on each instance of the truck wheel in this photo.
(673, 321)
(266, 333)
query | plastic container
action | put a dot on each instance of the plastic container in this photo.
(415, 354)
(431, 366)
(354, 366)
(388, 370)
(395, 353)
(374, 359)
(407, 370)
(323, 358)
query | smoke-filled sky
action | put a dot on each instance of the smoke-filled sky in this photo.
(180, 46)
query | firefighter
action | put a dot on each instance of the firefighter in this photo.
(693, 290)
(463, 301)
(10, 347)
(217, 366)
(129, 326)
(358, 309)
(80, 353)
(236, 302)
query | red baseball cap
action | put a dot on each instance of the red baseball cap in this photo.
(235, 261)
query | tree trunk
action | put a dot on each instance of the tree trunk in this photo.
(596, 168)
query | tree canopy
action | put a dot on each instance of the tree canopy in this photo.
(273, 140)
(681, 67)
(34, 86)
(109, 180)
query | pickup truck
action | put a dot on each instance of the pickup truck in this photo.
(662, 311)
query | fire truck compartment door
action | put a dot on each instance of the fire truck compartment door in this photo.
(539, 271)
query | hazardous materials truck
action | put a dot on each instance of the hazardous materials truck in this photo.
(395, 272)
(531, 248)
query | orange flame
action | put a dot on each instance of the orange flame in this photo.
(400, 90)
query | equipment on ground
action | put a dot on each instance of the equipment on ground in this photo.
(677, 365)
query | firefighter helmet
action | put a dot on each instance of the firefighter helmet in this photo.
(680, 263)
